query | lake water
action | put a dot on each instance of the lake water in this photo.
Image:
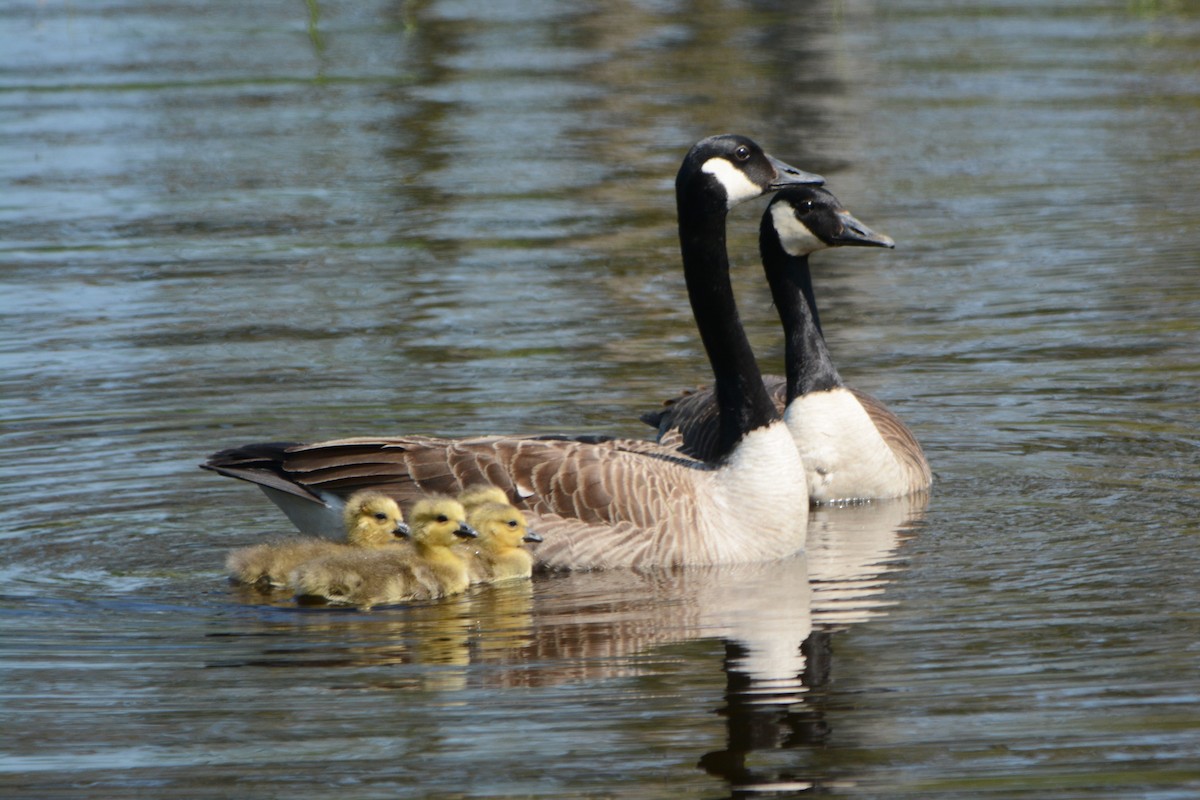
(301, 221)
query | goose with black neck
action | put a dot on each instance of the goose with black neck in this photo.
(596, 501)
(854, 448)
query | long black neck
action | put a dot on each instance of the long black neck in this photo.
(803, 276)
(806, 357)
(742, 400)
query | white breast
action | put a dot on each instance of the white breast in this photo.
(843, 453)
(759, 500)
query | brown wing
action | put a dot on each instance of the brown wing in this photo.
(901, 441)
(600, 496)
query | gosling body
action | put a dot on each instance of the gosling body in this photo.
(498, 554)
(429, 570)
(372, 521)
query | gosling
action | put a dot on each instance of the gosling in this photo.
(373, 522)
(429, 570)
(497, 555)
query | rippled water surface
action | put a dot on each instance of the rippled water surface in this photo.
(300, 221)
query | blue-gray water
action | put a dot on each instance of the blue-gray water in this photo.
(222, 224)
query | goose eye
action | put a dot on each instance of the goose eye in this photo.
(741, 153)
(382, 517)
(443, 518)
(804, 206)
(512, 523)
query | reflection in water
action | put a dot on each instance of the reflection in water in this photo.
(621, 613)
(489, 624)
(850, 550)
(759, 720)
(775, 621)
(767, 608)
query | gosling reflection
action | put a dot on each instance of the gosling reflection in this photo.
(433, 646)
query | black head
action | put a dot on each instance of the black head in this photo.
(807, 219)
(734, 169)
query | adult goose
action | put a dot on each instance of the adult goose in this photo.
(596, 501)
(853, 446)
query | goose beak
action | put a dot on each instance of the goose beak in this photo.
(530, 536)
(465, 531)
(401, 531)
(787, 175)
(854, 233)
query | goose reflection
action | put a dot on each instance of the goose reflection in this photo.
(851, 552)
(777, 623)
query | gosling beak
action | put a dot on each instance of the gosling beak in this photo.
(530, 536)
(787, 175)
(855, 233)
(465, 531)
(401, 530)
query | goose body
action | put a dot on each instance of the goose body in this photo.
(852, 445)
(372, 521)
(601, 502)
(497, 554)
(430, 569)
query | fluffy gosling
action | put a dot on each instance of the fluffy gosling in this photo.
(373, 521)
(427, 571)
(497, 555)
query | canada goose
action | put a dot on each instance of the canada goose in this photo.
(598, 501)
(497, 554)
(372, 520)
(428, 570)
(853, 446)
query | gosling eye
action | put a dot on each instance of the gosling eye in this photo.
(443, 518)
(512, 523)
(742, 152)
(382, 517)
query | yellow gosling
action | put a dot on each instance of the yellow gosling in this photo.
(474, 496)
(427, 571)
(497, 555)
(373, 521)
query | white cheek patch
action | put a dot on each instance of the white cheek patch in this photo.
(796, 238)
(738, 188)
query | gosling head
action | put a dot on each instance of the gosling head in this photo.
(439, 522)
(474, 496)
(373, 519)
(731, 169)
(501, 526)
(807, 219)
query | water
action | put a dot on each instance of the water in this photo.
(300, 221)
